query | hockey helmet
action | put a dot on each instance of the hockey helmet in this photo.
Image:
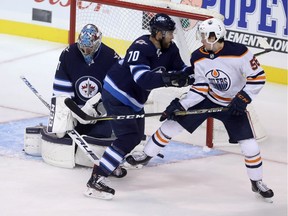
(89, 39)
(161, 22)
(212, 25)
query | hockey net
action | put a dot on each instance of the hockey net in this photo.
(122, 21)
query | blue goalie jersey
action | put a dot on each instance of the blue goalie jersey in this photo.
(78, 80)
(133, 78)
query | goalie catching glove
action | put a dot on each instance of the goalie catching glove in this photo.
(239, 103)
(93, 107)
(173, 107)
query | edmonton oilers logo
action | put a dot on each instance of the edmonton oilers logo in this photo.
(218, 79)
(87, 87)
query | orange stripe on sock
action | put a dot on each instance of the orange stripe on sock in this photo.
(160, 138)
(253, 161)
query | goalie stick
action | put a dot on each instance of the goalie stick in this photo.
(75, 136)
(75, 109)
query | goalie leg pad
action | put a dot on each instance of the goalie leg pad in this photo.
(33, 141)
(98, 145)
(56, 151)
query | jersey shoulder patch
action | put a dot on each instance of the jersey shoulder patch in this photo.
(143, 45)
(233, 49)
(141, 42)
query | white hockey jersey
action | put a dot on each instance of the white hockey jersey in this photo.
(220, 76)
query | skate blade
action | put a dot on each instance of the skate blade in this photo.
(268, 200)
(92, 193)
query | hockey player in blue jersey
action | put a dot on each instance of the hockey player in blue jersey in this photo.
(80, 73)
(152, 61)
(227, 74)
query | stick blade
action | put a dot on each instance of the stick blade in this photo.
(264, 44)
(75, 109)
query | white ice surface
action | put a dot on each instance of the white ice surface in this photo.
(212, 186)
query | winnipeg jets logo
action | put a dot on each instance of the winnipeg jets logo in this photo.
(219, 79)
(141, 42)
(87, 87)
(161, 19)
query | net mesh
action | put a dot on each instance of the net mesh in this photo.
(121, 26)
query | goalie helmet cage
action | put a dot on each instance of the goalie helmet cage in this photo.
(122, 21)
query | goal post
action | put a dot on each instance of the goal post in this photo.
(122, 21)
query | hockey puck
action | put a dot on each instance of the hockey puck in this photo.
(160, 155)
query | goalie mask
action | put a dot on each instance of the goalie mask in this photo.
(89, 41)
(209, 26)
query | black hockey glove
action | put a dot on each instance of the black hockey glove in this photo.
(239, 103)
(175, 78)
(173, 107)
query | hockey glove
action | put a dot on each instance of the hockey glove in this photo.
(169, 113)
(175, 78)
(91, 108)
(239, 103)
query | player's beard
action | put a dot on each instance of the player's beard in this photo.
(164, 44)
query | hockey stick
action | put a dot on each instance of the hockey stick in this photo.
(75, 109)
(264, 44)
(263, 52)
(75, 136)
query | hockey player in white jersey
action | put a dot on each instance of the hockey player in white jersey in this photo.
(227, 74)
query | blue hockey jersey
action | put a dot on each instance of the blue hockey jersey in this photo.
(132, 79)
(78, 80)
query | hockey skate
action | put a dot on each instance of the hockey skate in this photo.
(119, 172)
(138, 158)
(262, 190)
(96, 188)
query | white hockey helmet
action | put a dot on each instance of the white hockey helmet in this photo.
(212, 25)
(89, 39)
